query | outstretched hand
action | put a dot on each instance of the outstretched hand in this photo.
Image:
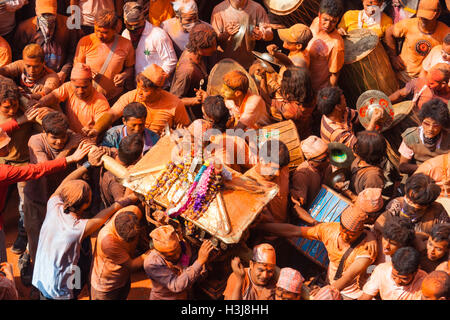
(95, 156)
(82, 150)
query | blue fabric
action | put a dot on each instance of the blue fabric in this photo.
(115, 134)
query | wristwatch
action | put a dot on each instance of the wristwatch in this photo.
(87, 164)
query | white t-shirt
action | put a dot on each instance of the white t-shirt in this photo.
(381, 282)
(155, 47)
(58, 252)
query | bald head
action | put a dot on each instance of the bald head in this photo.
(435, 286)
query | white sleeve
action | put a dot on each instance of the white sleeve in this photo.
(164, 47)
(14, 5)
(405, 151)
(372, 286)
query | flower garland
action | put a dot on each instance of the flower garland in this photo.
(205, 195)
(196, 199)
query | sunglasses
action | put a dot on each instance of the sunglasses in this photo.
(133, 27)
(321, 160)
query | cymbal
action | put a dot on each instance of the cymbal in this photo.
(341, 156)
(368, 102)
(267, 57)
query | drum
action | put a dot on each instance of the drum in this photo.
(290, 12)
(287, 132)
(366, 66)
(326, 207)
(215, 79)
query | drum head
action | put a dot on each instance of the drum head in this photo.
(215, 79)
(370, 100)
(359, 44)
(401, 110)
(282, 7)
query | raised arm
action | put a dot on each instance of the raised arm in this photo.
(286, 230)
(99, 220)
(355, 269)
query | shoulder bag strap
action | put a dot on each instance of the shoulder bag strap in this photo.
(347, 253)
(108, 59)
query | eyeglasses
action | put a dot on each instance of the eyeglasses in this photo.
(321, 160)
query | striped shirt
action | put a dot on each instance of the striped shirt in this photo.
(331, 131)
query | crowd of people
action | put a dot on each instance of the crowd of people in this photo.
(111, 78)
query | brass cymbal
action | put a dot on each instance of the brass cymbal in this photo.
(368, 102)
(267, 57)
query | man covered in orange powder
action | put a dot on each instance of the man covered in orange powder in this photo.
(163, 108)
(84, 105)
(257, 282)
(168, 265)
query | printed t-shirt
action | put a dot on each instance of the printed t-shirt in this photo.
(417, 45)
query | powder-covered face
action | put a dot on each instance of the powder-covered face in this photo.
(389, 246)
(33, 67)
(105, 35)
(327, 23)
(372, 7)
(83, 88)
(57, 142)
(402, 280)
(134, 125)
(431, 128)
(436, 249)
(9, 108)
(261, 273)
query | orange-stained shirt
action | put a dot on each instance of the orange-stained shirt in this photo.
(304, 55)
(168, 109)
(328, 233)
(438, 168)
(306, 182)
(417, 45)
(160, 11)
(253, 13)
(351, 19)
(250, 291)
(277, 207)
(252, 112)
(5, 52)
(231, 150)
(45, 84)
(381, 282)
(299, 59)
(111, 252)
(93, 52)
(326, 52)
(81, 113)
